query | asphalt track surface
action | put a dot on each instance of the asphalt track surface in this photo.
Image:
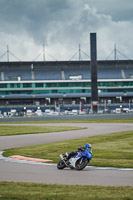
(47, 173)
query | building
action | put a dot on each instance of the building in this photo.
(64, 82)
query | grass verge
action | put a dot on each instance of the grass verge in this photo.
(74, 121)
(19, 130)
(26, 191)
(111, 150)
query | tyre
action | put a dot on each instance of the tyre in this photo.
(81, 164)
(61, 165)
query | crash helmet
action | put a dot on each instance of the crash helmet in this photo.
(88, 146)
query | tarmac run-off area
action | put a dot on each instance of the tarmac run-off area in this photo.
(28, 171)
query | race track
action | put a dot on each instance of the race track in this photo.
(42, 173)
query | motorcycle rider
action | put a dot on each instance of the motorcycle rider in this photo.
(82, 148)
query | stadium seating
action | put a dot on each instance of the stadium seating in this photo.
(85, 73)
(57, 74)
(128, 72)
(13, 75)
(63, 71)
(47, 75)
(109, 73)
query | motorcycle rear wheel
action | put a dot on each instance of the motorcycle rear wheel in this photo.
(81, 165)
(61, 165)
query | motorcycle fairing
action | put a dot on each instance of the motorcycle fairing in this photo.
(73, 161)
(85, 155)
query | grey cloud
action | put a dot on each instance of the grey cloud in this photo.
(63, 22)
(62, 17)
(35, 17)
(120, 10)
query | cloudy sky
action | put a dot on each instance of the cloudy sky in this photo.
(61, 25)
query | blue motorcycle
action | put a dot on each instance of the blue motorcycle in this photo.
(79, 161)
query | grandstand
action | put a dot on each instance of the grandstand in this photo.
(64, 82)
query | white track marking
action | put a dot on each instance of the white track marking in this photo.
(53, 164)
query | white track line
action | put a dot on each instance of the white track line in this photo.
(52, 164)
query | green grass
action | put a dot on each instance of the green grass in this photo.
(19, 130)
(111, 150)
(37, 191)
(76, 121)
(114, 150)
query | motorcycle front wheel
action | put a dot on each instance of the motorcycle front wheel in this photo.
(61, 165)
(81, 164)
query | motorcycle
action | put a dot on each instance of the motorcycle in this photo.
(79, 161)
